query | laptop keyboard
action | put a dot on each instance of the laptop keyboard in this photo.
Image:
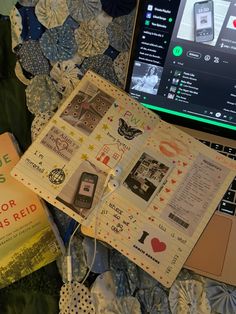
(228, 203)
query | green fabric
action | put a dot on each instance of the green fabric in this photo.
(37, 293)
(6, 6)
(14, 116)
(29, 303)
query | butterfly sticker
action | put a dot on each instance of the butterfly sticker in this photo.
(127, 131)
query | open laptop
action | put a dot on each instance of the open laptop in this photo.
(191, 47)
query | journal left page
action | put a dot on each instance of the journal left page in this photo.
(97, 127)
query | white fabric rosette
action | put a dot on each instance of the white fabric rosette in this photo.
(222, 297)
(188, 297)
(51, 13)
(65, 76)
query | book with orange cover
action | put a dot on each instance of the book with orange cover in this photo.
(28, 237)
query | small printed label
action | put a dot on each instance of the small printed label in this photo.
(195, 194)
(60, 143)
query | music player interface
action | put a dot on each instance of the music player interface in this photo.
(181, 68)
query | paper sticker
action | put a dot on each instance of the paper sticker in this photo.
(191, 200)
(84, 189)
(146, 178)
(85, 111)
(110, 154)
(127, 131)
(60, 143)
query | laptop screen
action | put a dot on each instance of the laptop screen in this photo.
(183, 61)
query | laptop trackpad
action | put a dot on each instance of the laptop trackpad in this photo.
(209, 252)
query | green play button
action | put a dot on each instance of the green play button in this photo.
(177, 51)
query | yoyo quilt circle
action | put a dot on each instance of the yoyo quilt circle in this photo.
(120, 32)
(102, 65)
(41, 95)
(188, 296)
(121, 65)
(221, 296)
(58, 43)
(92, 38)
(32, 59)
(52, 13)
(84, 10)
(65, 76)
(39, 122)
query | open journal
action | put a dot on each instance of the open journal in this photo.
(169, 186)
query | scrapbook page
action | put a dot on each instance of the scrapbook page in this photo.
(167, 190)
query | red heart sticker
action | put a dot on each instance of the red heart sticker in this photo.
(157, 245)
(234, 22)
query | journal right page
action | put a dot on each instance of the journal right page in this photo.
(165, 199)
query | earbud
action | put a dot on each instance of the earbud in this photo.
(115, 172)
(113, 184)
